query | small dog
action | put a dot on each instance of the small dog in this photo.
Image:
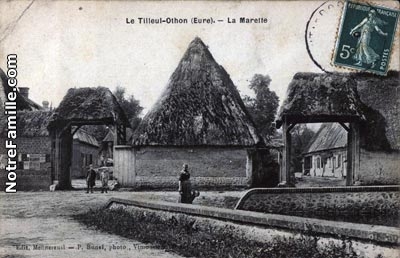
(193, 195)
(54, 186)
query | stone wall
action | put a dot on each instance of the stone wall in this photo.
(379, 168)
(367, 240)
(324, 202)
(210, 167)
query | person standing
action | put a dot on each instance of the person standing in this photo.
(90, 178)
(185, 186)
(104, 176)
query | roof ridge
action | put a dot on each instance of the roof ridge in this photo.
(200, 105)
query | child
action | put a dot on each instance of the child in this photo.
(104, 176)
(90, 178)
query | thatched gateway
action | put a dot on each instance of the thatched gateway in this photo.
(82, 106)
(365, 105)
(200, 120)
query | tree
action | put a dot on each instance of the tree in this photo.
(130, 105)
(301, 137)
(263, 106)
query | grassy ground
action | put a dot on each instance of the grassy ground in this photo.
(183, 235)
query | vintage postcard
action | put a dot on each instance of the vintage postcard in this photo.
(199, 128)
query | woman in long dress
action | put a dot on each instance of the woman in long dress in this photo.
(185, 186)
(364, 53)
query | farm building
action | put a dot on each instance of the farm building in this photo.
(326, 155)
(200, 120)
(33, 148)
(107, 147)
(33, 144)
(365, 105)
(85, 151)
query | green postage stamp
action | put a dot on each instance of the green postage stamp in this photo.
(365, 38)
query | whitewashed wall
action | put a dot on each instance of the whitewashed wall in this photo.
(124, 165)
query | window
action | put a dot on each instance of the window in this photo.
(339, 160)
(318, 162)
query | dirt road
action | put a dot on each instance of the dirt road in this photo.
(33, 221)
(39, 224)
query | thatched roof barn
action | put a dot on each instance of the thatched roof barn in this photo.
(89, 105)
(199, 119)
(199, 106)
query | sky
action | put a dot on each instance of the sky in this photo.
(63, 44)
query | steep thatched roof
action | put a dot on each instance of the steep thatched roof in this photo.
(381, 96)
(22, 102)
(372, 98)
(316, 95)
(88, 105)
(30, 124)
(200, 106)
(329, 136)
